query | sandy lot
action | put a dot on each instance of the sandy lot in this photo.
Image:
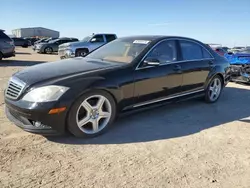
(189, 144)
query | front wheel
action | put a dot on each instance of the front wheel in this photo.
(81, 53)
(214, 89)
(92, 114)
(48, 50)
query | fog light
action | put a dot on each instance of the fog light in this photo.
(39, 124)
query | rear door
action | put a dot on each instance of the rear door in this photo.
(59, 42)
(196, 64)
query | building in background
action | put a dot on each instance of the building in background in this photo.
(35, 32)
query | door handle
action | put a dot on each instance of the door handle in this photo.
(211, 62)
(177, 68)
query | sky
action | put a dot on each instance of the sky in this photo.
(225, 22)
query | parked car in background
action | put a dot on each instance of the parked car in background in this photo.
(240, 66)
(21, 42)
(83, 47)
(84, 95)
(220, 51)
(236, 49)
(31, 40)
(7, 47)
(52, 46)
(41, 41)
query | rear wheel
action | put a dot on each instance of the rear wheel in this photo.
(214, 89)
(48, 50)
(92, 114)
(82, 52)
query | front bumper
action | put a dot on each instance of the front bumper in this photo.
(36, 119)
(65, 54)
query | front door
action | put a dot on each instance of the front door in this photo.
(196, 64)
(157, 82)
(96, 41)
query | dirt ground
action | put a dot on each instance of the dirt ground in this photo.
(189, 144)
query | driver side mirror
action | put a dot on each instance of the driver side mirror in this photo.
(151, 62)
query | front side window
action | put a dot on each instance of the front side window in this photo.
(165, 52)
(191, 50)
(97, 38)
(120, 50)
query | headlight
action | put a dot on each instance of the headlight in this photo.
(45, 93)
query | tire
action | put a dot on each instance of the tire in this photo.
(48, 50)
(79, 113)
(1, 56)
(82, 52)
(212, 90)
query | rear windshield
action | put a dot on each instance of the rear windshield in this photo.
(3, 35)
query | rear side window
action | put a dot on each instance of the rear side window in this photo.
(191, 50)
(206, 54)
(3, 35)
(109, 38)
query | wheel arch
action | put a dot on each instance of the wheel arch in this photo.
(210, 78)
(112, 94)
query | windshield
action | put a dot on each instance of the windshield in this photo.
(120, 50)
(86, 39)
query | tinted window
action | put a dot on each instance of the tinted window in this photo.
(97, 38)
(191, 50)
(74, 40)
(109, 38)
(3, 35)
(206, 54)
(165, 52)
(62, 41)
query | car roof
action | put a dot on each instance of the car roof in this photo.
(156, 37)
(66, 38)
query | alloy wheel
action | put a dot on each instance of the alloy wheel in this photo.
(215, 89)
(93, 114)
(48, 50)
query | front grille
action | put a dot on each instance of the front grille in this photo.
(15, 88)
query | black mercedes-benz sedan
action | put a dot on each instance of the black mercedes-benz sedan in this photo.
(84, 95)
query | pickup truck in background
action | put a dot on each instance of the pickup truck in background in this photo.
(83, 47)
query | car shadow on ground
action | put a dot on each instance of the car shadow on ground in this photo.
(23, 53)
(171, 121)
(19, 63)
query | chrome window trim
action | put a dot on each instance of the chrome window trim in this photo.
(166, 98)
(189, 40)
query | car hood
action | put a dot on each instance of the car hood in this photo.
(58, 69)
(75, 44)
(41, 43)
